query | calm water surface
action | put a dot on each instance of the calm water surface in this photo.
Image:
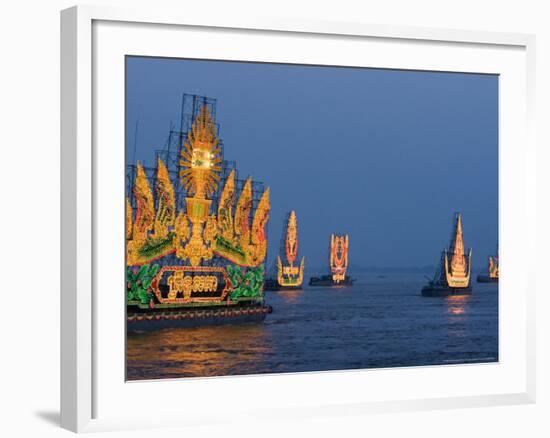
(382, 321)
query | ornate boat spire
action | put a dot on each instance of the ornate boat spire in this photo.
(242, 213)
(236, 233)
(225, 208)
(291, 241)
(289, 275)
(145, 207)
(339, 257)
(166, 204)
(458, 259)
(201, 157)
(457, 272)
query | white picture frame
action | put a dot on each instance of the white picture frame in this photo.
(91, 391)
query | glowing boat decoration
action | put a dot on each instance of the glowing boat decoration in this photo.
(453, 274)
(191, 265)
(338, 262)
(289, 275)
(493, 271)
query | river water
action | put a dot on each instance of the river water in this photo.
(382, 321)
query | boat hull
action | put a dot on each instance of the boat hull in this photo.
(282, 288)
(486, 279)
(443, 291)
(273, 285)
(160, 319)
(329, 282)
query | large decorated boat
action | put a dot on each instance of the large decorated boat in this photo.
(289, 275)
(452, 276)
(194, 256)
(493, 271)
(338, 262)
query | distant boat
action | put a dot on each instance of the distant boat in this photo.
(452, 276)
(493, 271)
(289, 276)
(339, 246)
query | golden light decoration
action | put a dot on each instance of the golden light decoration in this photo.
(458, 260)
(201, 157)
(457, 272)
(493, 267)
(291, 241)
(183, 232)
(166, 204)
(196, 249)
(179, 283)
(128, 219)
(237, 241)
(144, 217)
(290, 275)
(242, 213)
(258, 245)
(225, 208)
(188, 284)
(145, 207)
(339, 246)
(195, 234)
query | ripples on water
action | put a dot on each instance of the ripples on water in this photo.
(382, 321)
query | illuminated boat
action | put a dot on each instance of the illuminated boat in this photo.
(193, 257)
(289, 276)
(453, 274)
(493, 271)
(339, 246)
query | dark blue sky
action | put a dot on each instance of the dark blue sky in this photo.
(386, 156)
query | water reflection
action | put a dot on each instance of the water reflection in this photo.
(379, 322)
(291, 296)
(457, 305)
(194, 352)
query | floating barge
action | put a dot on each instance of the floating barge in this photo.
(452, 276)
(289, 276)
(339, 246)
(196, 244)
